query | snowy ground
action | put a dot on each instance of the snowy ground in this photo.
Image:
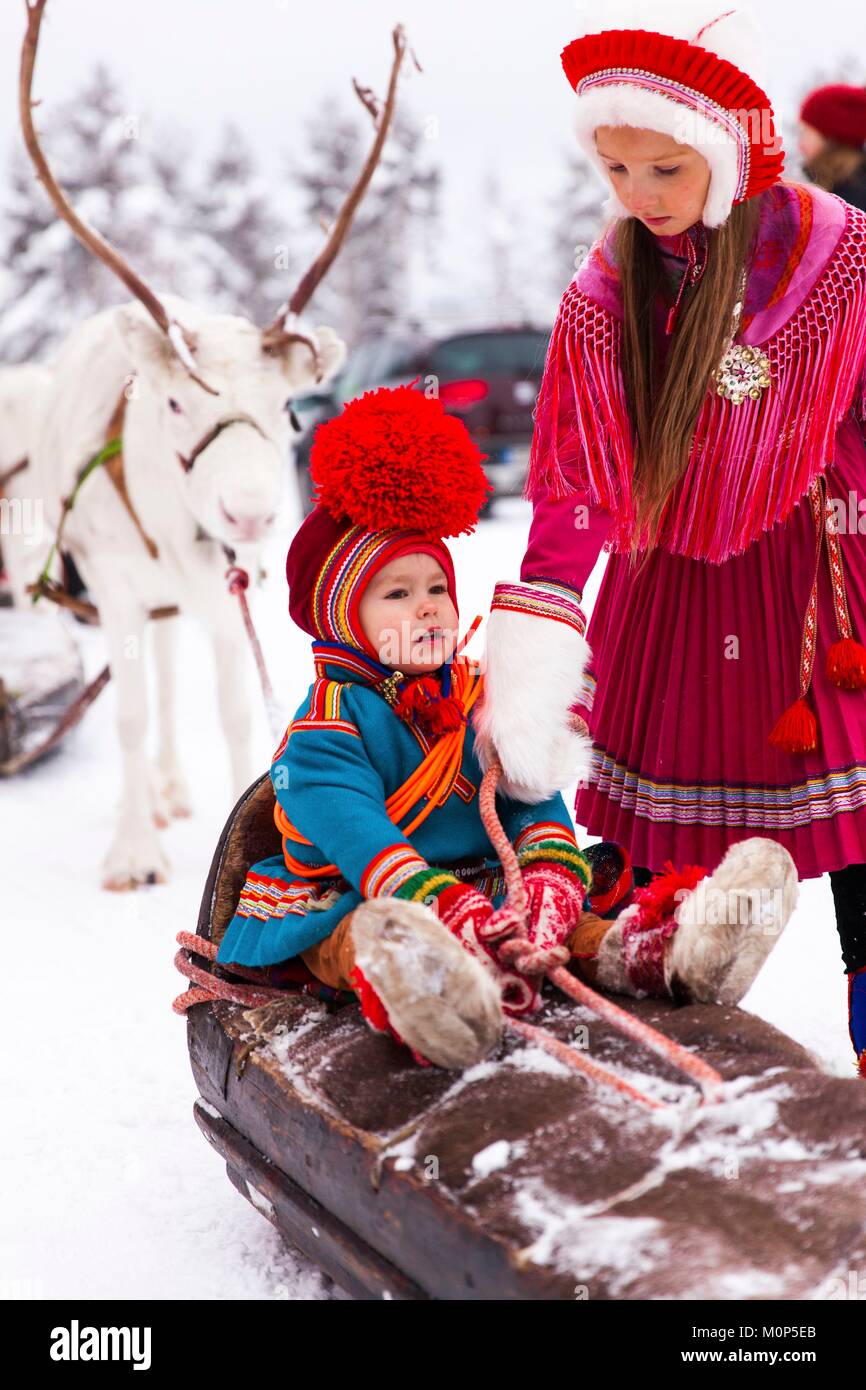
(110, 1189)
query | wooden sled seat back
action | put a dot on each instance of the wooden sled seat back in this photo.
(248, 835)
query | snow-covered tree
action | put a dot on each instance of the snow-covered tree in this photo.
(504, 232)
(241, 236)
(212, 240)
(577, 218)
(372, 284)
(97, 150)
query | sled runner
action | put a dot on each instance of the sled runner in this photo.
(519, 1178)
(41, 680)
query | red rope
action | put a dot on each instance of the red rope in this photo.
(211, 987)
(517, 947)
(238, 582)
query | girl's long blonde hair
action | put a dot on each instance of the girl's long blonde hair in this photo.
(664, 412)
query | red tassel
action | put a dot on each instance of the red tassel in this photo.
(417, 696)
(797, 730)
(846, 664)
(658, 898)
(422, 702)
(444, 716)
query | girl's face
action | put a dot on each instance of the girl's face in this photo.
(407, 615)
(662, 183)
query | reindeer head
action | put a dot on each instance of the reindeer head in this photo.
(221, 385)
(228, 444)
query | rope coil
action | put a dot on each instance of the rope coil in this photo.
(516, 947)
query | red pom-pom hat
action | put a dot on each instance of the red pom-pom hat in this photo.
(393, 474)
(838, 112)
(688, 84)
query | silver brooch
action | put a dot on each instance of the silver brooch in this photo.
(743, 371)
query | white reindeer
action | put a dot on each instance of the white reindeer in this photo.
(206, 437)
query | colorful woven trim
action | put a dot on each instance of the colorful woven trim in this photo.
(398, 871)
(271, 899)
(585, 692)
(545, 582)
(552, 843)
(426, 885)
(552, 601)
(356, 666)
(350, 566)
(324, 710)
(717, 803)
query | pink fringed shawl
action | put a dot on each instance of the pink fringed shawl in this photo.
(750, 464)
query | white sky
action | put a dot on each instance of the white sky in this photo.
(492, 84)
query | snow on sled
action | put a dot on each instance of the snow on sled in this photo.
(519, 1178)
(41, 684)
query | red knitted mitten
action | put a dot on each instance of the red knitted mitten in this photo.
(470, 917)
(556, 900)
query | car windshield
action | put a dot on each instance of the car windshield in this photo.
(375, 362)
(479, 354)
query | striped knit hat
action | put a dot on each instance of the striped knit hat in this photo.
(393, 474)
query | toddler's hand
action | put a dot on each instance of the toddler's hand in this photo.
(470, 917)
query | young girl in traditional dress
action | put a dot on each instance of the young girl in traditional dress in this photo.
(387, 883)
(701, 418)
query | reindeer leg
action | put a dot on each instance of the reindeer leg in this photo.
(135, 855)
(171, 789)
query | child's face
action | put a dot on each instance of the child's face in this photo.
(407, 615)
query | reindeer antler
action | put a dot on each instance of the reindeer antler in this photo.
(180, 338)
(283, 329)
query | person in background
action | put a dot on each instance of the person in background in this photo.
(832, 140)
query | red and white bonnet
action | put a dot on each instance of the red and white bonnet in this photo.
(691, 69)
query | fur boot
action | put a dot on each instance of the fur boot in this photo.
(702, 938)
(440, 1000)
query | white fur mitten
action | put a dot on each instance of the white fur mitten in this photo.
(536, 657)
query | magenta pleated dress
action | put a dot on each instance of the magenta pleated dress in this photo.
(692, 664)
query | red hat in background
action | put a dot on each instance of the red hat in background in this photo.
(837, 112)
(393, 474)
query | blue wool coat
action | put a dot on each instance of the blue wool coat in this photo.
(344, 753)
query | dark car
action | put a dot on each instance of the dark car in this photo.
(489, 378)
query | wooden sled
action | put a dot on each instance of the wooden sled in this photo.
(41, 684)
(520, 1179)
